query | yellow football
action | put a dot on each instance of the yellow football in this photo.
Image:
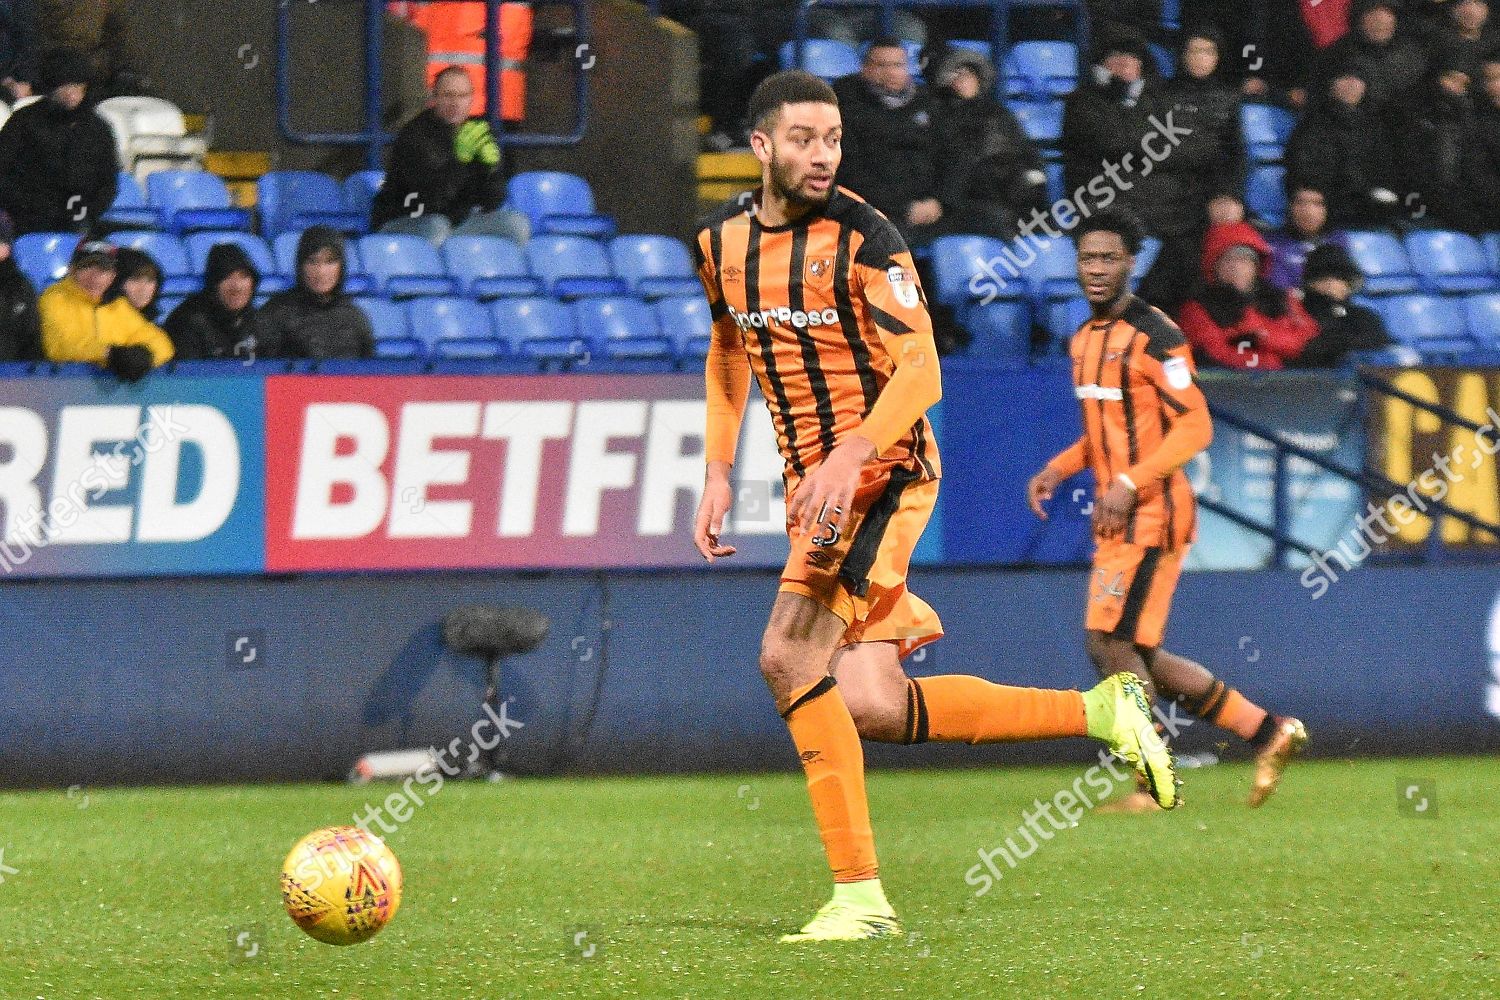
(341, 884)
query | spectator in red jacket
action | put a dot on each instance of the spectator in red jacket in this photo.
(1240, 319)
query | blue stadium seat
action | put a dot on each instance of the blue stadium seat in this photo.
(295, 199)
(284, 249)
(488, 267)
(178, 275)
(1063, 318)
(194, 199)
(1265, 197)
(654, 266)
(400, 348)
(1166, 61)
(130, 210)
(1383, 261)
(43, 257)
(1040, 120)
(572, 267)
(164, 306)
(435, 319)
(1048, 68)
(610, 320)
(199, 244)
(824, 57)
(1055, 181)
(1266, 129)
(1000, 331)
(359, 191)
(557, 203)
(1491, 244)
(684, 319)
(1428, 323)
(1448, 262)
(387, 318)
(1054, 273)
(1150, 248)
(1482, 317)
(471, 348)
(540, 329)
(970, 269)
(402, 266)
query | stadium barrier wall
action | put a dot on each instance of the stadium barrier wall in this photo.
(156, 680)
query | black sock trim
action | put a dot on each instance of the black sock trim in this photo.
(816, 691)
(1201, 705)
(1220, 694)
(1266, 730)
(910, 736)
(919, 730)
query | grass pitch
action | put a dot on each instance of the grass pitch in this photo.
(678, 887)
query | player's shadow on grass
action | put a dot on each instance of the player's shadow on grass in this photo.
(757, 928)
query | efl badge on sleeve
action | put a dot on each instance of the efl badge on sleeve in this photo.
(904, 284)
(1178, 375)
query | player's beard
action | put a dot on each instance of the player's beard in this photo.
(784, 184)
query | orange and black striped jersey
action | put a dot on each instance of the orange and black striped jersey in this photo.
(1144, 417)
(829, 316)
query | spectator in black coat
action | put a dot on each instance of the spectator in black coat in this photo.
(988, 173)
(1390, 63)
(20, 321)
(445, 172)
(1435, 146)
(1328, 281)
(1482, 169)
(889, 150)
(219, 322)
(137, 280)
(1342, 148)
(17, 49)
(1465, 37)
(58, 164)
(314, 318)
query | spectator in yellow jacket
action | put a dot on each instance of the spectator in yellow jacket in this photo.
(77, 325)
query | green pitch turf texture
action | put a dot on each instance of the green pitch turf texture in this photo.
(678, 887)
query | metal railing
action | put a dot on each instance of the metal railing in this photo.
(374, 137)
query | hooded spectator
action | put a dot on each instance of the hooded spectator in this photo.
(1390, 64)
(889, 149)
(988, 172)
(138, 280)
(1342, 148)
(1241, 320)
(1306, 228)
(20, 321)
(78, 325)
(1330, 278)
(1465, 37)
(314, 318)
(58, 163)
(219, 322)
(445, 174)
(1436, 143)
(1482, 171)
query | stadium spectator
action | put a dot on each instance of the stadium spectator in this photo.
(1330, 278)
(219, 322)
(1482, 171)
(20, 322)
(988, 173)
(1239, 319)
(58, 163)
(1435, 145)
(737, 48)
(1464, 38)
(1306, 228)
(1266, 58)
(94, 29)
(889, 153)
(445, 172)
(138, 280)
(78, 325)
(1342, 148)
(17, 49)
(1390, 64)
(854, 27)
(314, 318)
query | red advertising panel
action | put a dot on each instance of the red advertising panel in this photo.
(441, 472)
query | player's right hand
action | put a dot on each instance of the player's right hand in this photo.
(1040, 490)
(717, 496)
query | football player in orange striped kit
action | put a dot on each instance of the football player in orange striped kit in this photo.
(1143, 419)
(814, 294)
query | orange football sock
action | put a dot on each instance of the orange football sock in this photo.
(834, 761)
(1226, 708)
(957, 708)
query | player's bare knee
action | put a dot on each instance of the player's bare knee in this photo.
(875, 717)
(1109, 655)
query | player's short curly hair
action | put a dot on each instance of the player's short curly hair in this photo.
(1114, 220)
(793, 86)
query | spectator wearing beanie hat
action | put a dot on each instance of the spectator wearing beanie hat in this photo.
(314, 318)
(58, 165)
(20, 322)
(78, 325)
(219, 322)
(1328, 280)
